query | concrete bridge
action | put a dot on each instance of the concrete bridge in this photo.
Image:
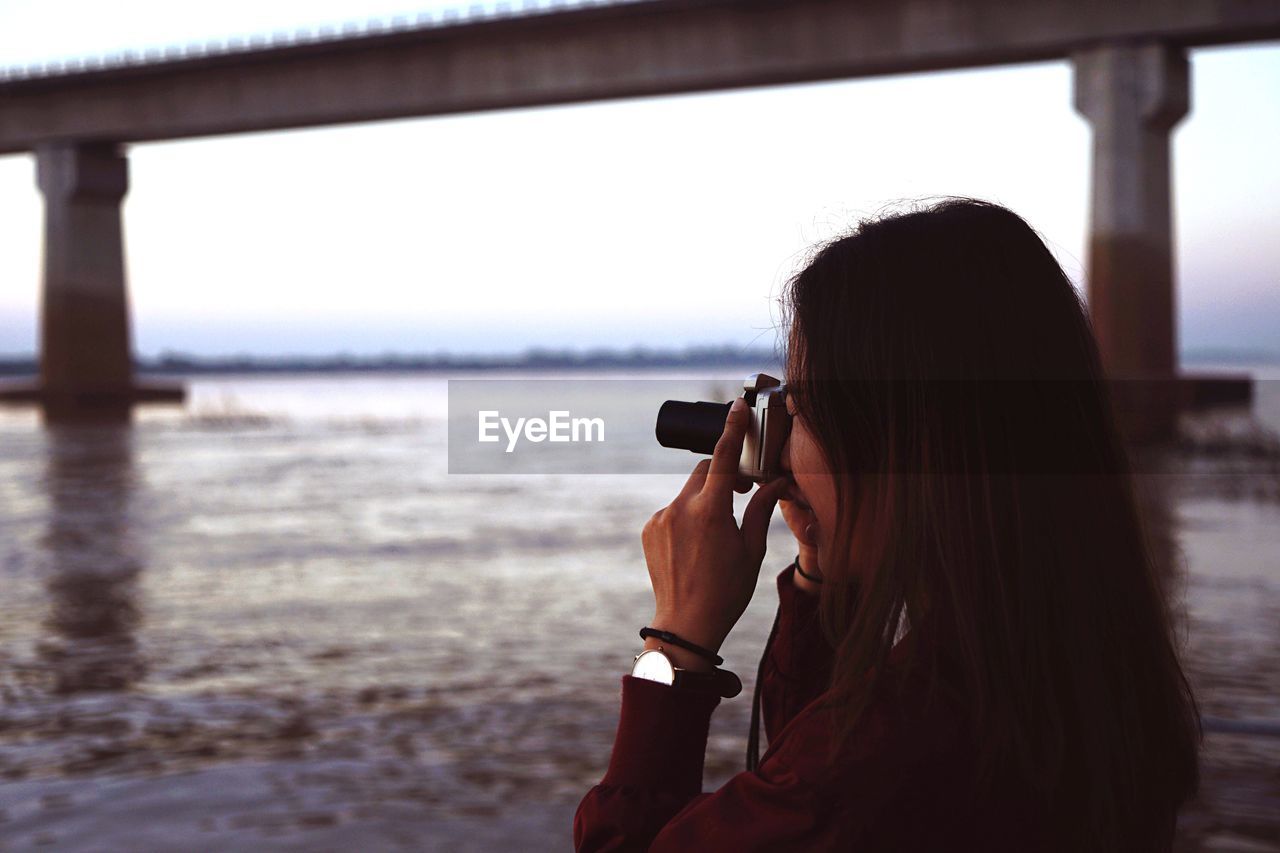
(1131, 83)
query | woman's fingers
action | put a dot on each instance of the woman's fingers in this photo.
(755, 518)
(723, 473)
(694, 484)
(798, 517)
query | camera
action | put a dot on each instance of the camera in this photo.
(697, 426)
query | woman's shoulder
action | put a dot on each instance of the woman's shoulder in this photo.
(905, 777)
(906, 718)
(910, 716)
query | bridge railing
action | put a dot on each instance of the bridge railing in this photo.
(450, 16)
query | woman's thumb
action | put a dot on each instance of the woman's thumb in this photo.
(755, 518)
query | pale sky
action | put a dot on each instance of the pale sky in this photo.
(657, 221)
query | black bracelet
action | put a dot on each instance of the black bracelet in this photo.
(796, 563)
(668, 637)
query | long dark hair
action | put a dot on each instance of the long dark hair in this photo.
(949, 374)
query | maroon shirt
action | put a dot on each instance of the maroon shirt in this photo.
(901, 783)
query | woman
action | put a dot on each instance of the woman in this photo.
(983, 658)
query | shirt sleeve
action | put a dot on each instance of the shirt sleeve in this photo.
(797, 666)
(901, 764)
(655, 769)
(651, 796)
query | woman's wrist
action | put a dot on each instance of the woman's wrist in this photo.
(681, 657)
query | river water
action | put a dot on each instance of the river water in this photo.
(271, 619)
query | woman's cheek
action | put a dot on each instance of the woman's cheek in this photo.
(824, 509)
(815, 481)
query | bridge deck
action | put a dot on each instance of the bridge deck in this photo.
(591, 53)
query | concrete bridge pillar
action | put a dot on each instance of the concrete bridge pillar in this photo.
(86, 361)
(86, 367)
(1133, 95)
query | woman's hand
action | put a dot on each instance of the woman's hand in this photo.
(703, 567)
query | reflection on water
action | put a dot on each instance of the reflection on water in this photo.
(93, 560)
(241, 626)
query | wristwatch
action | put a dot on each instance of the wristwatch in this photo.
(656, 665)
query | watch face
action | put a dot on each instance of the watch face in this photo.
(653, 665)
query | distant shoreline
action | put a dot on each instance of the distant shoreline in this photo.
(171, 364)
(176, 364)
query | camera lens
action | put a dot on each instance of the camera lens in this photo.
(691, 426)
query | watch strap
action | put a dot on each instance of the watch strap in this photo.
(721, 682)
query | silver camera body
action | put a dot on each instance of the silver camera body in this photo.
(767, 430)
(697, 426)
